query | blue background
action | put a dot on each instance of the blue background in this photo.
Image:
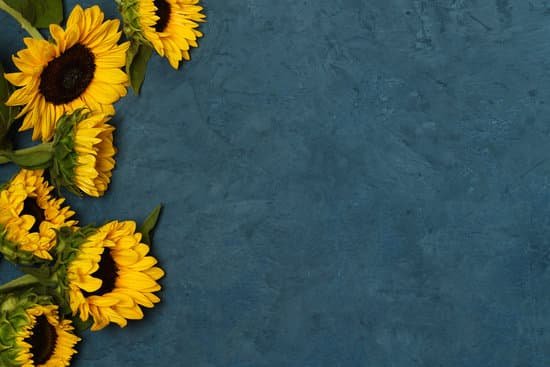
(346, 183)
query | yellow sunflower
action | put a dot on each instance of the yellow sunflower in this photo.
(45, 340)
(29, 213)
(93, 144)
(171, 27)
(81, 67)
(83, 153)
(112, 276)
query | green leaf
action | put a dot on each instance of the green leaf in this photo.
(136, 64)
(25, 7)
(41, 13)
(149, 224)
(7, 114)
(80, 325)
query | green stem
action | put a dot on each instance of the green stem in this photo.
(21, 282)
(25, 24)
(4, 157)
(35, 157)
(44, 147)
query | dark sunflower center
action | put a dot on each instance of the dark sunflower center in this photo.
(42, 340)
(163, 12)
(66, 77)
(107, 272)
(30, 207)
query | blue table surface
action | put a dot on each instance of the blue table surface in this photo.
(346, 183)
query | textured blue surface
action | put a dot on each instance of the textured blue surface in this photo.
(346, 183)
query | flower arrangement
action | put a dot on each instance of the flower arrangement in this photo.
(64, 89)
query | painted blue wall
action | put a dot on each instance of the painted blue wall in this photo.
(346, 183)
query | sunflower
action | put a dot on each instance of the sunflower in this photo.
(170, 26)
(80, 68)
(46, 341)
(83, 153)
(112, 276)
(29, 214)
(33, 334)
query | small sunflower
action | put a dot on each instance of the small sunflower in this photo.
(32, 334)
(83, 157)
(170, 26)
(46, 341)
(80, 68)
(112, 276)
(29, 214)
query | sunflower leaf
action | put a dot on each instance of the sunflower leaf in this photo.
(7, 114)
(41, 13)
(25, 7)
(149, 224)
(136, 64)
(80, 325)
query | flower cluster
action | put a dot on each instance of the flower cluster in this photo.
(64, 89)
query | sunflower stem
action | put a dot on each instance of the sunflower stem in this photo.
(25, 24)
(35, 157)
(21, 282)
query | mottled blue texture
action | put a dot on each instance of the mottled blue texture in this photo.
(346, 183)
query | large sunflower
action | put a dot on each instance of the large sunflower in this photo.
(171, 26)
(80, 68)
(29, 214)
(45, 340)
(112, 276)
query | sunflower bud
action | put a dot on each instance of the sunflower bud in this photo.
(83, 153)
(32, 333)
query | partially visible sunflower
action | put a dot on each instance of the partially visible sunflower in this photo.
(83, 157)
(46, 341)
(29, 214)
(32, 334)
(81, 68)
(111, 276)
(170, 26)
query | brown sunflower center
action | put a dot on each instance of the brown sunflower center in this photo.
(107, 272)
(66, 77)
(31, 207)
(42, 340)
(163, 12)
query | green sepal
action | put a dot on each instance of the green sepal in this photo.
(64, 155)
(40, 13)
(149, 224)
(81, 325)
(136, 63)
